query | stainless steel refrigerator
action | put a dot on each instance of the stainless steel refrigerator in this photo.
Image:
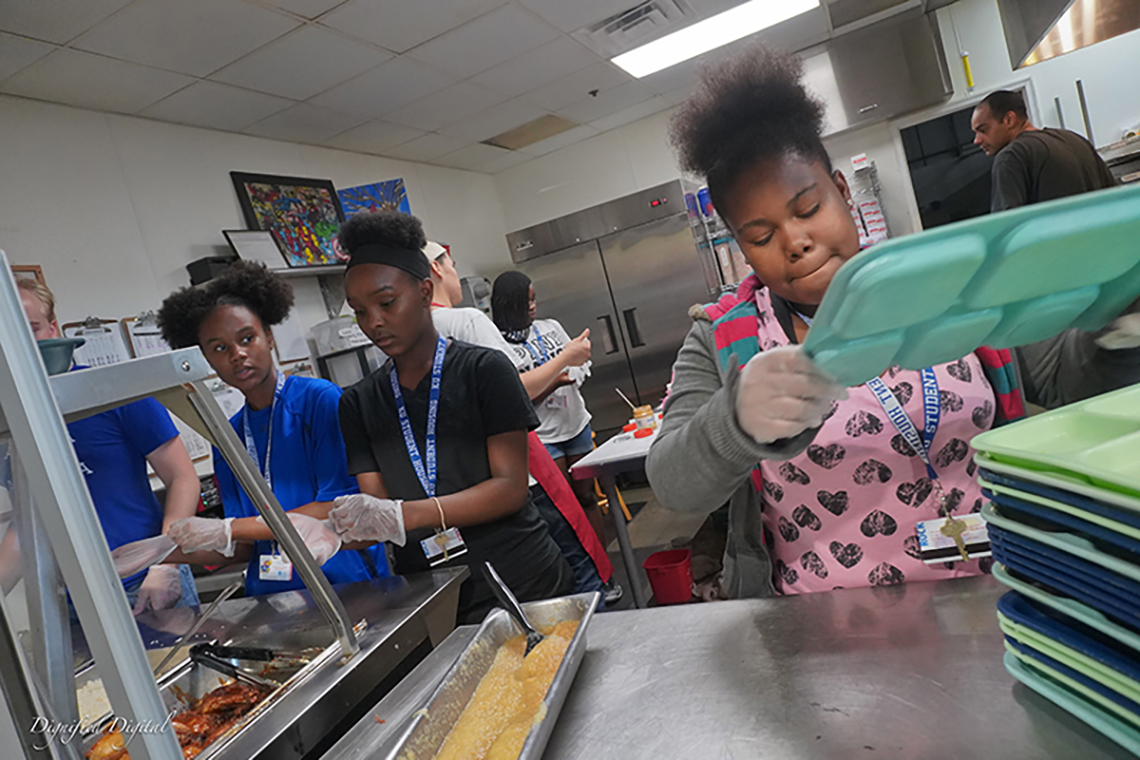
(628, 270)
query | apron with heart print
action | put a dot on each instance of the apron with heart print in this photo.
(843, 513)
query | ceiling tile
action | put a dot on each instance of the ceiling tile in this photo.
(19, 52)
(385, 88)
(303, 123)
(606, 103)
(543, 65)
(629, 115)
(571, 89)
(472, 157)
(496, 120)
(485, 42)
(373, 137)
(551, 144)
(425, 148)
(91, 81)
(446, 107)
(189, 37)
(302, 64)
(304, 8)
(217, 106)
(513, 158)
(571, 15)
(400, 25)
(55, 20)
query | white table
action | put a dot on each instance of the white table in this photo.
(622, 453)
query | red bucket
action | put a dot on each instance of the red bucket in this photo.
(671, 575)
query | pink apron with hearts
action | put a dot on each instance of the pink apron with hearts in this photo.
(843, 513)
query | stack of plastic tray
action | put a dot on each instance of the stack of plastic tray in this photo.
(1064, 525)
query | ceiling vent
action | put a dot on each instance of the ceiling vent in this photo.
(530, 133)
(635, 26)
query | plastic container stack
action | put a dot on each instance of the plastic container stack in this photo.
(1064, 526)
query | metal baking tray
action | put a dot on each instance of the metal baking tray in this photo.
(431, 725)
(183, 686)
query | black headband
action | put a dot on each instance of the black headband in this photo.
(411, 261)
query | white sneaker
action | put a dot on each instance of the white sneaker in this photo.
(613, 592)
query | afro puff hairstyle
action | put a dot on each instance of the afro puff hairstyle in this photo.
(749, 109)
(390, 228)
(245, 283)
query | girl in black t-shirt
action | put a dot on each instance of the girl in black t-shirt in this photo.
(437, 437)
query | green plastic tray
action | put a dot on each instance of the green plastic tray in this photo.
(1072, 482)
(1074, 609)
(1065, 542)
(1098, 439)
(1000, 280)
(1074, 699)
(1083, 664)
(1095, 519)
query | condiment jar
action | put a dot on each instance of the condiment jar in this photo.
(645, 418)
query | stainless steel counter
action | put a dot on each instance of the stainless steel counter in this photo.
(909, 671)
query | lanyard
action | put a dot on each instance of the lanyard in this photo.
(425, 474)
(545, 357)
(932, 413)
(250, 445)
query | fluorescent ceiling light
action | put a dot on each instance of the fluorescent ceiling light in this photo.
(711, 33)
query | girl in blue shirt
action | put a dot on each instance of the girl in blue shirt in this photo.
(289, 424)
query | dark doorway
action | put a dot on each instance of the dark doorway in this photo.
(950, 175)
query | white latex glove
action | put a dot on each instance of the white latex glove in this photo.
(359, 517)
(201, 534)
(782, 393)
(139, 555)
(1124, 332)
(318, 536)
(160, 590)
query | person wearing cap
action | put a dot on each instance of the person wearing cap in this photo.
(555, 500)
(437, 437)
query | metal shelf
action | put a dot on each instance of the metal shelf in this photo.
(310, 271)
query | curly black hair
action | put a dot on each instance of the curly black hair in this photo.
(390, 228)
(245, 283)
(749, 109)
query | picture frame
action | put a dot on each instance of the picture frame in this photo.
(303, 215)
(387, 195)
(28, 272)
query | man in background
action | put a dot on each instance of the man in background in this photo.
(1033, 165)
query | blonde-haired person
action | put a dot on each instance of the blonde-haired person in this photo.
(114, 448)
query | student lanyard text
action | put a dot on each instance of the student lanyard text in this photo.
(545, 357)
(250, 445)
(931, 413)
(426, 474)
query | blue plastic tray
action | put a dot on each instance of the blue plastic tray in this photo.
(1069, 567)
(1057, 520)
(1109, 511)
(999, 280)
(1071, 633)
(1040, 657)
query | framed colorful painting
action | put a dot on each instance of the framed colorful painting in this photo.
(302, 214)
(388, 195)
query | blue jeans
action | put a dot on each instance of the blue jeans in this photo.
(586, 576)
(579, 445)
(189, 589)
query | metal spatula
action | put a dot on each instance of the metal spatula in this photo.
(511, 605)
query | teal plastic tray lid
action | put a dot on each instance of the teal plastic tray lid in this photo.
(1001, 280)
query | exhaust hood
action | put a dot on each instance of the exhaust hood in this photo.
(1037, 30)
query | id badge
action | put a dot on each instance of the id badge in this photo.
(934, 546)
(275, 567)
(443, 546)
(557, 401)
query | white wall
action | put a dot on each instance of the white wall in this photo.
(114, 207)
(1108, 70)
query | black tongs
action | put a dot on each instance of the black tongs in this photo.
(218, 658)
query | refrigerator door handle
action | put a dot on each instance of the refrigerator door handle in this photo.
(609, 340)
(635, 340)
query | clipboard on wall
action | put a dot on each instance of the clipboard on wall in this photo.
(143, 336)
(105, 344)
